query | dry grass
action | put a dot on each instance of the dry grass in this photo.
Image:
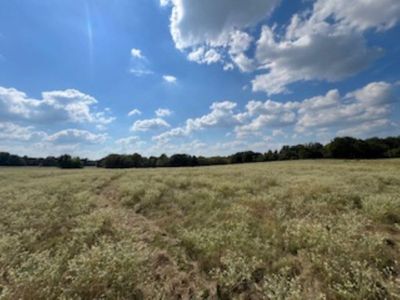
(285, 230)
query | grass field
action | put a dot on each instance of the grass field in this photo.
(285, 230)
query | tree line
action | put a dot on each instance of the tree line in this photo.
(64, 161)
(340, 148)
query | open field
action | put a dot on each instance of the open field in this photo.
(285, 230)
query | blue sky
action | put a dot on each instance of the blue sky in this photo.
(92, 77)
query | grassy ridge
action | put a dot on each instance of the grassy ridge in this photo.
(284, 230)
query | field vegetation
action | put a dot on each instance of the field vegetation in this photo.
(279, 230)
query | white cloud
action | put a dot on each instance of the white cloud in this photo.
(240, 42)
(170, 78)
(361, 14)
(163, 112)
(132, 140)
(367, 129)
(326, 42)
(374, 93)
(165, 2)
(211, 22)
(139, 64)
(330, 111)
(24, 119)
(27, 140)
(319, 54)
(14, 132)
(213, 30)
(197, 55)
(140, 71)
(137, 53)
(194, 147)
(367, 104)
(269, 114)
(221, 115)
(244, 63)
(228, 67)
(76, 136)
(175, 132)
(134, 112)
(201, 56)
(212, 56)
(130, 145)
(149, 124)
(70, 106)
(278, 132)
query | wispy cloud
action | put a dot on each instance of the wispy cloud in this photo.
(170, 78)
(134, 112)
(163, 112)
(139, 64)
(149, 124)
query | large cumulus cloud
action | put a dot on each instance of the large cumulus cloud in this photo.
(327, 42)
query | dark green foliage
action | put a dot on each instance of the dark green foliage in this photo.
(49, 162)
(183, 160)
(215, 160)
(246, 157)
(271, 156)
(340, 147)
(346, 147)
(7, 159)
(392, 153)
(15, 160)
(162, 161)
(115, 161)
(351, 148)
(306, 151)
(67, 162)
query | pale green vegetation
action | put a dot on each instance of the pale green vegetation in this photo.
(285, 230)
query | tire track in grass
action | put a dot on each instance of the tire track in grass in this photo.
(179, 282)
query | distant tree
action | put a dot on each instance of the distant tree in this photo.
(392, 142)
(67, 162)
(245, 157)
(4, 158)
(152, 162)
(218, 160)
(88, 163)
(288, 153)
(236, 158)
(112, 161)
(194, 161)
(162, 161)
(16, 161)
(269, 156)
(181, 160)
(340, 147)
(49, 161)
(376, 148)
(310, 151)
(209, 161)
(393, 153)
(137, 160)
(343, 147)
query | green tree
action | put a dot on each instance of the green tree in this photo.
(67, 162)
